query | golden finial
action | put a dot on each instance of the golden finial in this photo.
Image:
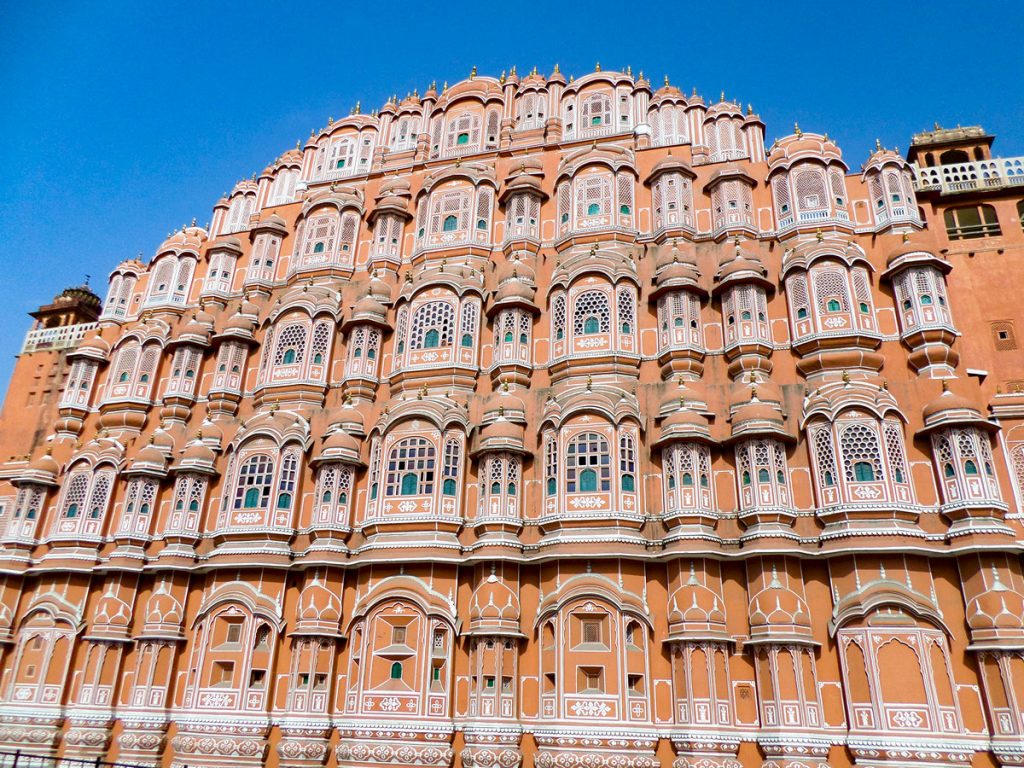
(534, 72)
(750, 109)
(358, 109)
(458, 162)
(193, 221)
(298, 143)
(666, 81)
(444, 88)
(797, 131)
(597, 67)
(906, 237)
(590, 383)
(753, 391)
(846, 377)
(472, 72)
(721, 96)
(330, 120)
(878, 145)
(752, 378)
(557, 70)
(694, 94)
(572, 78)
(629, 70)
(945, 386)
(502, 78)
(444, 263)
(641, 77)
(514, 70)
(819, 235)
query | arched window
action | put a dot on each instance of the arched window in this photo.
(452, 456)
(433, 325)
(252, 490)
(861, 453)
(588, 464)
(591, 313)
(451, 223)
(410, 468)
(396, 670)
(627, 463)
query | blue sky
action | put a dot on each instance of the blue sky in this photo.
(120, 122)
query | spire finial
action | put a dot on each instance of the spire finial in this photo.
(597, 67)
(557, 70)
(796, 130)
(878, 145)
(472, 72)
(666, 81)
(358, 108)
(819, 235)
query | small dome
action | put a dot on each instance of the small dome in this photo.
(370, 310)
(379, 289)
(670, 164)
(149, 459)
(676, 266)
(684, 423)
(339, 445)
(742, 263)
(240, 325)
(111, 616)
(996, 613)
(803, 145)
(319, 610)
(95, 347)
(189, 239)
(951, 408)
(779, 611)
(45, 465)
(494, 607)
(696, 611)
(163, 614)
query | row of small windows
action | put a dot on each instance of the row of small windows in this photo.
(969, 222)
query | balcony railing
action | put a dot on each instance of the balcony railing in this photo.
(50, 339)
(953, 178)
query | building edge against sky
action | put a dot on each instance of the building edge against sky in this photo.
(535, 420)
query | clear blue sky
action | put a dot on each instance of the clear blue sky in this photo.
(122, 121)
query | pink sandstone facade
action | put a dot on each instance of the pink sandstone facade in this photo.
(535, 421)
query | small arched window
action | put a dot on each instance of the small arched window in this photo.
(396, 666)
(431, 339)
(863, 471)
(451, 223)
(833, 305)
(289, 357)
(593, 209)
(970, 467)
(588, 481)
(762, 475)
(318, 247)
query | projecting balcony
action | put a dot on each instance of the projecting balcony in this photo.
(818, 218)
(52, 339)
(955, 178)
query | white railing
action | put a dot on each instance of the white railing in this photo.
(968, 177)
(50, 339)
(728, 154)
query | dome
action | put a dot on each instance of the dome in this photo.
(197, 457)
(45, 464)
(996, 613)
(369, 310)
(950, 408)
(187, 239)
(689, 392)
(95, 348)
(494, 608)
(339, 446)
(696, 611)
(111, 616)
(914, 250)
(502, 434)
(684, 423)
(675, 266)
(800, 145)
(742, 263)
(163, 614)
(150, 460)
(379, 289)
(319, 610)
(777, 611)
(239, 325)
(670, 164)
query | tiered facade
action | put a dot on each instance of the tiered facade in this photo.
(531, 421)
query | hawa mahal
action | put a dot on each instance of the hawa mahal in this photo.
(535, 421)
